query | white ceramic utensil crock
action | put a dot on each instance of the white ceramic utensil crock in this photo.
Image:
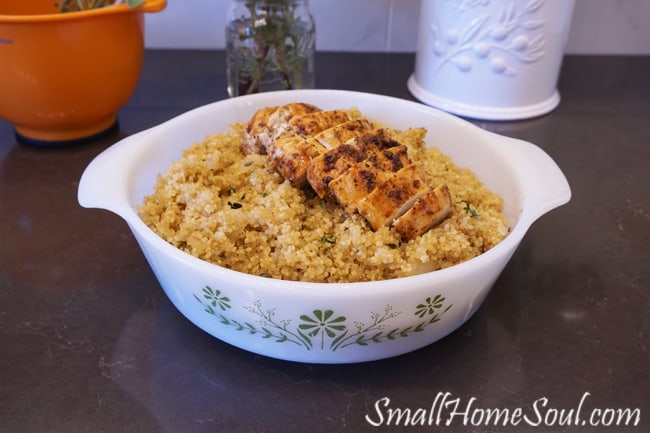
(491, 59)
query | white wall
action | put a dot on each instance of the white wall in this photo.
(599, 26)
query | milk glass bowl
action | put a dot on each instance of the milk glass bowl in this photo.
(326, 322)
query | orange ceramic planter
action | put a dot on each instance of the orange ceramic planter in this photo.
(64, 77)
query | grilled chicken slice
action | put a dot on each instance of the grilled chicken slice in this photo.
(390, 159)
(311, 124)
(363, 177)
(343, 132)
(356, 183)
(283, 116)
(394, 197)
(291, 155)
(267, 123)
(331, 165)
(257, 134)
(336, 161)
(430, 210)
(374, 140)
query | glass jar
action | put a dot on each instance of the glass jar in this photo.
(270, 45)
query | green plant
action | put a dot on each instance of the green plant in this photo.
(82, 5)
(271, 41)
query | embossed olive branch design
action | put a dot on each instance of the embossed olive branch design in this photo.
(482, 39)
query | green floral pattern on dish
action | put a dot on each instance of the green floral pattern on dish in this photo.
(322, 328)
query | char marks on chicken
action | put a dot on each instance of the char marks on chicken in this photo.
(351, 160)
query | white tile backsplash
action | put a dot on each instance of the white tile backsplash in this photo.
(403, 30)
(599, 26)
(351, 25)
(188, 24)
(610, 27)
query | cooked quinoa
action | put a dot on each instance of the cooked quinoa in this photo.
(232, 210)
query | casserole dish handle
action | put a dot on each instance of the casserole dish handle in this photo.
(103, 184)
(543, 183)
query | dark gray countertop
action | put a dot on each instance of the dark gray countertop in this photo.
(89, 342)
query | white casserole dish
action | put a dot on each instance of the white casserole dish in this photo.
(321, 322)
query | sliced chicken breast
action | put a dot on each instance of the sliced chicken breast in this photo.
(258, 131)
(371, 141)
(267, 123)
(363, 177)
(430, 210)
(366, 170)
(331, 165)
(390, 159)
(341, 133)
(356, 183)
(281, 118)
(291, 155)
(311, 124)
(394, 197)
